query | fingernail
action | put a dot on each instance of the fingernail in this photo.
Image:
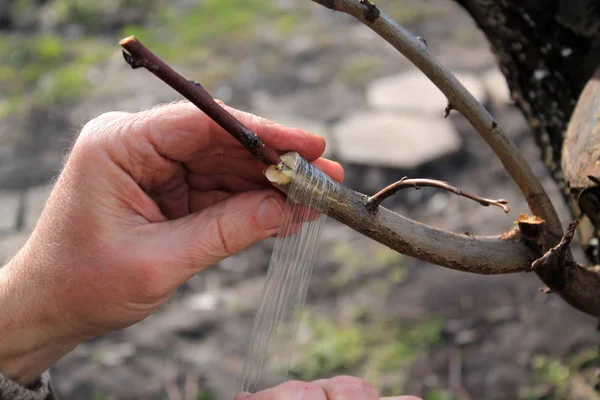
(269, 213)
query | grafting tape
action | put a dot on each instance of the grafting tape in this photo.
(290, 268)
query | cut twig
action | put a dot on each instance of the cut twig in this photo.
(531, 227)
(557, 254)
(375, 200)
(139, 56)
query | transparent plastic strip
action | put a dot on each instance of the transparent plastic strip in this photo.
(290, 268)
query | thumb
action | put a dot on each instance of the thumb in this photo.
(225, 228)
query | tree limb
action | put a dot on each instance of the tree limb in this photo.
(578, 286)
(558, 253)
(480, 255)
(139, 56)
(462, 101)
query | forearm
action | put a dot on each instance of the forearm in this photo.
(28, 343)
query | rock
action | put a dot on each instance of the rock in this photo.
(458, 56)
(10, 203)
(35, 201)
(116, 354)
(413, 92)
(298, 45)
(206, 301)
(392, 140)
(496, 87)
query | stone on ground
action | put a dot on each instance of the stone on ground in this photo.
(413, 92)
(35, 200)
(9, 245)
(391, 140)
(497, 88)
(9, 210)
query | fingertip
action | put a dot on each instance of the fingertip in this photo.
(401, 398)
(331, 168)
(270, 211)
(242, 396)
(320, 143)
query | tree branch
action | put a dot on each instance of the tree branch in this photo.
(480, 255)
(374, 201)
(558, 253)
(461, 100)
(578, 286)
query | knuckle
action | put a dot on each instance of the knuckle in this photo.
(343, 386)
(99, 127)
(298, 389)
(149, 280)
(224, 247)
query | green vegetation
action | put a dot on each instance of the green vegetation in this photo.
(572, 379)
(360, 69)
(205, 394)
(379, 351)
(366, 259)
(177, 33)
(440, 395)
(51, 65)
(406, 11)
(45, 68)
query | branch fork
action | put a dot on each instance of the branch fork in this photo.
(557, 255)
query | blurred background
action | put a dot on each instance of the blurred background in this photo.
(407, 326)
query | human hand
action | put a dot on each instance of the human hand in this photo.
(339, 388)
(144, 202)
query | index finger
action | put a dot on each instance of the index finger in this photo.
(179, 131)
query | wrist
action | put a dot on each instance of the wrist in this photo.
(29, 341)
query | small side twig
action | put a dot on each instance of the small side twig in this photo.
(139, 56)
(557, 253)
(448, 109)
(374, 201)
(371, 12)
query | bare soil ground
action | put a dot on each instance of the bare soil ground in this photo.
(450, 335)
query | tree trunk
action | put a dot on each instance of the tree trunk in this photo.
(548, 51)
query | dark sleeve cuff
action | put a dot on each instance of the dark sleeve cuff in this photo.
(39, 390)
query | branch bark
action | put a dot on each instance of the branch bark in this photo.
(481, 255)
(580, 155)
(462, 101)
(578, 286)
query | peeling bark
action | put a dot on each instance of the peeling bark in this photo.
(581, 164)
(548, 50)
